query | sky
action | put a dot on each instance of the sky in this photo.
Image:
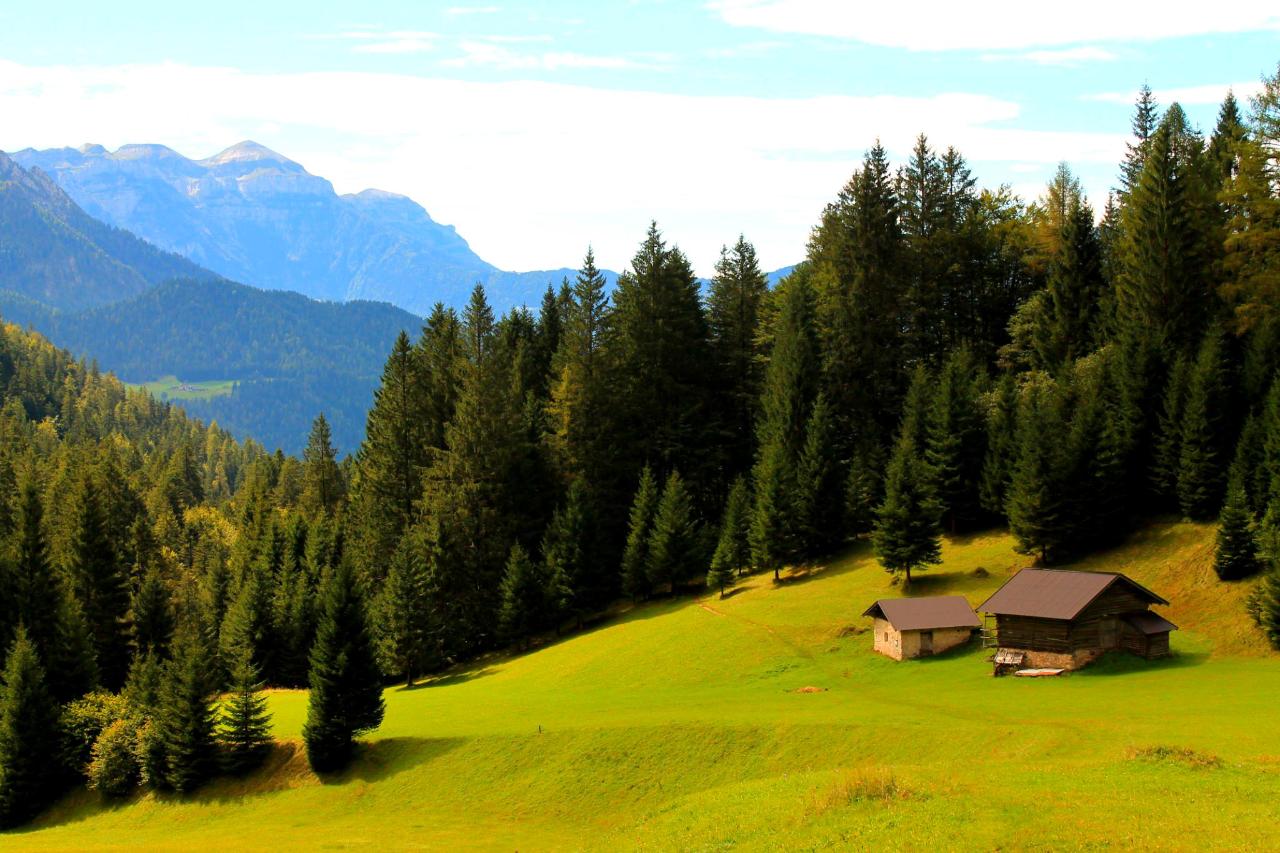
(539, 128)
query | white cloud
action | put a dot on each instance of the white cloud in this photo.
(1187, 96)
(531, 172)
(490, 53)
(1066, 57)
(997, 24)
(376, 40)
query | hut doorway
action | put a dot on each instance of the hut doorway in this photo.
(926, 642)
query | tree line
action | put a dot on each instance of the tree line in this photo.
(946, 358)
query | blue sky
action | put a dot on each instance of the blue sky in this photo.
(537, 128)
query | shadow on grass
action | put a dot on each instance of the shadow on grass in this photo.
(284, 768)
(1124, 663)
(449, 678)
(829, 566)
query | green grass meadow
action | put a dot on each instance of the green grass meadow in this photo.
(172, 388)
(686, 725)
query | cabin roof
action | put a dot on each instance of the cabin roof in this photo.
(1149, 623)
(1057, 593)
(924, 614)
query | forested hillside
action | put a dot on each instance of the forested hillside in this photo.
(54, 254)
(291, 357)
(945, 358)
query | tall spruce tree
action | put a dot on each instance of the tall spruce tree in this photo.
(907, 536)
(323, 486)
(1167, 451)
(1002, 444)
(346, 686)
(733, 549)
(733, 310)
(404, 619)
(790, 389)
(674, 543)
(391, 460)
(1037, 504)
(663, 373)
(956, 441)
(1236, 552)
(818, 504)
(635, 557)
(523, 609)
(185, 717)
(244, 724)
(28, 729)
(1201, 462)
(100, 584)
(151, 614)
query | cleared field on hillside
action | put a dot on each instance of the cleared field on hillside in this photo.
(679, 725)
(172, 388)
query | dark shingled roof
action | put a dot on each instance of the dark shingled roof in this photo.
(924, 614)
(1056, 593)
(1150, 623)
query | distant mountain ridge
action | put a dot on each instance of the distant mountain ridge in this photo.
(255, 216)
(55, 254)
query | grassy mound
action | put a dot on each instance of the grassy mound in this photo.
(764, 721)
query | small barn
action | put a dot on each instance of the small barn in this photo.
(1055, 618)
(917, 627)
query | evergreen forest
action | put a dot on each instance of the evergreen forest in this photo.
(947, 358)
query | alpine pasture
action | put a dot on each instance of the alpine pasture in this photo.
(764, 721)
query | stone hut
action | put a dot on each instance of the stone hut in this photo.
(917, 627)
(1059, 619)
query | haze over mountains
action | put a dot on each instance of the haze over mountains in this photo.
(257, 217)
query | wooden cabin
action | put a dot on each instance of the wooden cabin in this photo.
(1053, 618)
(917, 627)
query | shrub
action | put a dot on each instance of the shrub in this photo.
(114, 771)
(83, 721)
(152, 763)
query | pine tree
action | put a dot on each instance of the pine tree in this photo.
(151, 614)
(1037, 509)
(391, 460)
(566, 547)
(863, 492)
(1236, 555)
(1002, 445)
(323, 487)
(906, 535)
(856, 257)
(249, 622)
(404, 619)
(1146, 116)
(817, 500)
(733, 310)
(523, 594)
(790, 390)
(100, 585)
(673, 548)
(635, 558)
(733, 549)
(956, 440)
(244, 726)
(1264, 605)
(1165, 250)
(1167, 453)
(346, 687)
(1200, 462)
(1074, 290)
(185, 717)
(663, 372)
(28, 729)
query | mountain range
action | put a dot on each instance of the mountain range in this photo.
(257, 217)
(53, 253)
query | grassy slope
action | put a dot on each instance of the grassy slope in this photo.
(678, 726)
(169, 387)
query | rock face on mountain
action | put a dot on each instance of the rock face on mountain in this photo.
(256, 216)
(54, 254)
